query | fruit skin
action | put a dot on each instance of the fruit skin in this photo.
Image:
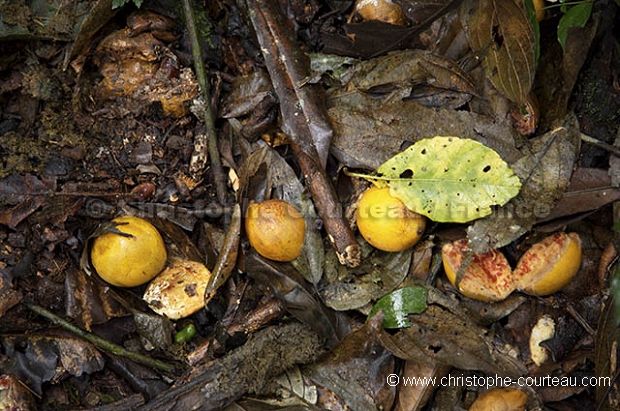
(275, 229)
(386, 223)
(129, 261)
(487, 278)
(549, 265)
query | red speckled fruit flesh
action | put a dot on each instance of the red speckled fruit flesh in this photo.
(488, 276)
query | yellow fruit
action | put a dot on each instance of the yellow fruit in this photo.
(549, 265)
(132, 260)
(539, 7)
(386, 223)
(381, 10)
(275, 229)
(487, 278)
(179, 290)
(500, 399)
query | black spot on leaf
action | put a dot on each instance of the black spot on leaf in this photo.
(408, 173)
(486, 169)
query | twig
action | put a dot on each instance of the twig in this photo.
(209, 117)
(100, 342)
(601, 144)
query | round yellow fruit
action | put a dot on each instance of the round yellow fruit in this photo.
(386, 223)
(549, 265)
(275, 229)
(132, 259)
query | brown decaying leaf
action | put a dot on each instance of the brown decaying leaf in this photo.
(589, 189)
(414, 397)
(357, 369)
(41, 358)
(439, 336)
(367, 132)
(500, 34)
(289, 286)
(348, 289)
(607, 359)
(545, 171)
(414, 73)
(88, 300)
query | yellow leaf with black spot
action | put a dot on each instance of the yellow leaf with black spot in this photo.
(448, 179)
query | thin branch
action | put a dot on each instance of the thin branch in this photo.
(100, 342)
(209, 117)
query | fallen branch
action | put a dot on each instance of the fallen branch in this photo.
(304, 120)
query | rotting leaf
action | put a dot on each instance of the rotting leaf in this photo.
(448, 179)
(437, 335)
(501, 35)
(404, 72)
(356, 370)
(545, 170)
(367, 132)
(40, 358)
(348, 289)
(398, 304)
(288, 286)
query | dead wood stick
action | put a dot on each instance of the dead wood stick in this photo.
(304, 120)
(209, 116)
(217, 384)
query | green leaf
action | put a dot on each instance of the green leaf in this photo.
(398, 304)
(576, 16)
(448, 179)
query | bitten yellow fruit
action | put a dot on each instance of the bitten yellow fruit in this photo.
(488, 276)
(275, 229)
(549, 265)
(132, 260)
(386, 223)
